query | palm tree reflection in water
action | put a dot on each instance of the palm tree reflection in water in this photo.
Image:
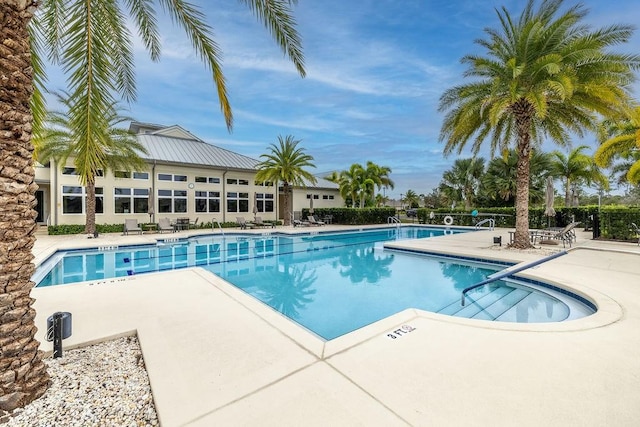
(363, 264)
(290, 290)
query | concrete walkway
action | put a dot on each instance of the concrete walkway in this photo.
(216, 356)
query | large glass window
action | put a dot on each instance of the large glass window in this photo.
(237, 202)
(210, 180)
(172, 201)
(207, 201)
(74, 199)
(128, 200)
(122, 174)
(141, 175)
(264, 202)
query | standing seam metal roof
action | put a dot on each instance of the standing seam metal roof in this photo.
(186, 151)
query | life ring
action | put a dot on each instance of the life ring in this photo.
(448, 220)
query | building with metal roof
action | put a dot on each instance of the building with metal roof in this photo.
(186, 178)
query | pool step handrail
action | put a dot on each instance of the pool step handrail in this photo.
(490, 221)
(510, 271)
(393, 220)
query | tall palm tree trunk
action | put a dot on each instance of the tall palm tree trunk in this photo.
(287, 204)
(523, 113)
(90, 222)
(23, 375)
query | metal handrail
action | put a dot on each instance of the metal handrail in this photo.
(510, 272)
(393, 220)
(491, 221)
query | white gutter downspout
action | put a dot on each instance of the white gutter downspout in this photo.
(223, 203)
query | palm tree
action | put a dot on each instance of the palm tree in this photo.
(411, 199)
(499, 180)
(381, 200)
(286, 163)
(358, 183)
(574, 169)
(622, 139)
(24, 375)
(546, 74)
(116, 149)
(93, 45)
(380, 175)
(461, 181)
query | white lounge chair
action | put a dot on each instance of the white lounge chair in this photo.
(313, 221)
(164, 224)
(565, 235)
(131, 225)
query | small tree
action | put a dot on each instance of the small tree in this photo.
(286, 163)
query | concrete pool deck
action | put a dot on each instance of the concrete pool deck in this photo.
(216, 356)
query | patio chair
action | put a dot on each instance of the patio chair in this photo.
(194, 224)
(312, 220)
(164, 224)
(131, 225)
(259, 223)
(298, 223)
(243, 224)
(566, 235)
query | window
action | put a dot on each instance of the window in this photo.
(237, 202)
(263, 184)
(122, 174)
(308, 196)
(126, 198)
(325, 197)
(69, 171)
(243, 182)
(74, 199)
(172, 201)
(232, 181)
(140, 175)
(316, 197)
(207, 201)
(210, 180)
(170, 177)
(264, 202)
(330, 197)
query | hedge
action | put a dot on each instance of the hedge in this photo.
(615, 221)
(119, 228)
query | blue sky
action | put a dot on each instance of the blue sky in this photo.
(375, 72)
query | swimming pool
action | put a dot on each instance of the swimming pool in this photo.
(330, 283)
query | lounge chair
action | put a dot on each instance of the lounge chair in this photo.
(243, 224)
(164, 224)
(565, 235)
(298, 223)
(313, 221)
(259, 223)
(131, 225)
(194, 224)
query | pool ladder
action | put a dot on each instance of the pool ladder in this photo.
(393, 220)
(490, 221)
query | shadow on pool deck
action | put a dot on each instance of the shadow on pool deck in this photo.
(216, 356)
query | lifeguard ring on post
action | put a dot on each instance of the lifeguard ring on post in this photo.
(448, 220)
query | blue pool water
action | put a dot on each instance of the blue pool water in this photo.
(330, 283)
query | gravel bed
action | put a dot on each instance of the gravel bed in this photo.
(104, 384)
